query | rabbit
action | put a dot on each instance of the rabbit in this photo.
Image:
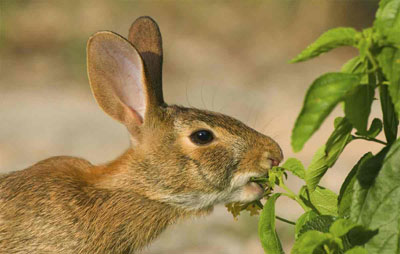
(180, 164)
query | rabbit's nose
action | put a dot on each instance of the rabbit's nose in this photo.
(274, 162)
(269, 160)
(274, 151)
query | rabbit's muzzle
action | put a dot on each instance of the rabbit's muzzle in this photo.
(254, 164)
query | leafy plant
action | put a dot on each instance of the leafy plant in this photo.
(365, 216)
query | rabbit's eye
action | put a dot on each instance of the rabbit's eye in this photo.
(202, 137)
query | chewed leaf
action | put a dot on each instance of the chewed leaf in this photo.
(341, 36)
(234, 209)
(255, 206)
(323, 95)
(253, 209)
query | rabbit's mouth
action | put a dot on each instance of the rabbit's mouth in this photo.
(252, 191)
(245, 189)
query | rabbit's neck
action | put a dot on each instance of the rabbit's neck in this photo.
(130, 221)
(133, 215)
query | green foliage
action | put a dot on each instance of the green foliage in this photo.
(320, 223)
(390, 119)
(381, 203)
(341, 36)
(357, 107)
(341, 227)
(295, 166)
(266, 228)
(365, 216)
(356, 250)
(321, 98)
(312, 242)
(387, 22)
(347, 190)
(302, 220)
(321, 200)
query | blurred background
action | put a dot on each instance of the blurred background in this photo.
(226, 56)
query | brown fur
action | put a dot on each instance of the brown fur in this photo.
(67, 205)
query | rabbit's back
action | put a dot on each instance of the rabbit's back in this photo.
(38, 206)
(65, 205)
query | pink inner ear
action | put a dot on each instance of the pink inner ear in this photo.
(127, 76)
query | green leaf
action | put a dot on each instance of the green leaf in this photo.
(303, 219)
(326, 156)
(385, 59)
(295, 166)
(341, 36)
(357, 106)
(390, 120)
(387, 21)
(339, 138)
(374, 129)
(324, 201)
(359, 235)
(381, 205)
(316, 169)
(352, 65)
(321, 223)
(346, 191)
(357, 65)
(310, 241)
(369, 170)
(356, 250)
(321, 200)
(323, 95)
(341, 227)
(266, 228)
(394, 87)
(389, 59)
(363, 47)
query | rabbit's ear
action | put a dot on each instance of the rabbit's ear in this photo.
(118, 79)
(145, 35)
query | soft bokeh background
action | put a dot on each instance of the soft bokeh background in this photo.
(227, 56)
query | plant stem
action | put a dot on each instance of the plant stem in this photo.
(285, 220)
(292, 195)
(371, 139)
(372, 60)
(289, 191)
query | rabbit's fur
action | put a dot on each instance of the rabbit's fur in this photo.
(67, 205)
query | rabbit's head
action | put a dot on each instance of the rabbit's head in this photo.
(184, 156)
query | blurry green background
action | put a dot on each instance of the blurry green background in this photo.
(226, 56)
